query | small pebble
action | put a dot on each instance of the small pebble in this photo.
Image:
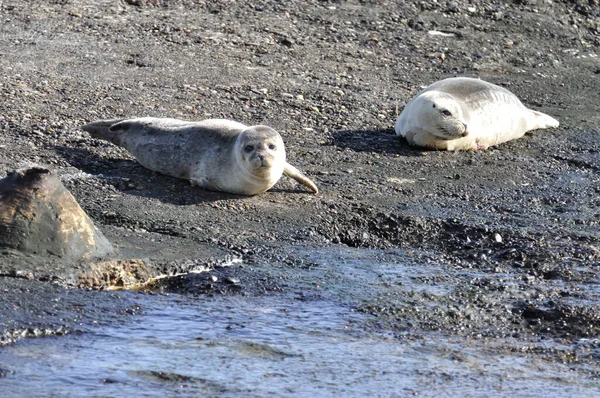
(231, 280)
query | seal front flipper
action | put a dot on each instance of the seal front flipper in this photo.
(297, 175)
(104, 130)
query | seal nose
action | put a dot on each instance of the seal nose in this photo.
(465, 133)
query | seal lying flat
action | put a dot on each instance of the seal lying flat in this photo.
(216, 154)
(466, 113)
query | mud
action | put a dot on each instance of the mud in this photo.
(515, 227)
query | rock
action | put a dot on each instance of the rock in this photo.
(453, 7)
(119, 274)
(39, 216)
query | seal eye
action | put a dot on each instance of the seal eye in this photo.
(272, 147)
(249, 148)
(446, 112)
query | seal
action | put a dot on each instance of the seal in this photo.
(466, 113)
(216, 154)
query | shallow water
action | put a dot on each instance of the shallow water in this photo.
(275, 345)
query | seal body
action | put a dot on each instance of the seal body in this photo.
(216, 154)
(466, 113)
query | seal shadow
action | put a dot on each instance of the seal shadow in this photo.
(380, 141)
(131, 178)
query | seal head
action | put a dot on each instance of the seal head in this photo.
(261, 149)
(259, 154)
(441, 115)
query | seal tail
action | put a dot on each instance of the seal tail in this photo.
(297, 175)
(539, 120)
(103, 130)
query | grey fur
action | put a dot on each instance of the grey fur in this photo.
(216, 154)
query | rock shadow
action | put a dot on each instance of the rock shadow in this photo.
(380, 141)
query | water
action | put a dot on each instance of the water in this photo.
(274, 345)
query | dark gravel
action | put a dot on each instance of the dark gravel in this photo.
(331, 77)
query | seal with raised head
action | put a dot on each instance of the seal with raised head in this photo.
(216, 154)
(466, 113)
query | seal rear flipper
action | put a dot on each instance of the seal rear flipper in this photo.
(297, 175)
(540, 120)
(104, 130)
